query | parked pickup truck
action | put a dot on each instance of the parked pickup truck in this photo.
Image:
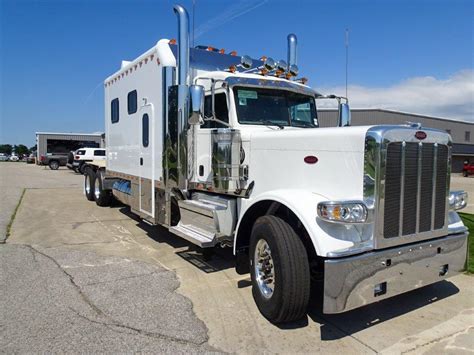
(54, 160)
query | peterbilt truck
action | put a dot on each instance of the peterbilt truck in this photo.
(226, 150)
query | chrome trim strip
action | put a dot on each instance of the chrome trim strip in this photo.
(418, 186)
(402, 189)
(433, 192)
(350, 282)
(267, 82)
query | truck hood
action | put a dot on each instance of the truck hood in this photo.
(277, 160)
(338, 139)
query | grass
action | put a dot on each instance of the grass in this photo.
(9, 227)
(468, 220)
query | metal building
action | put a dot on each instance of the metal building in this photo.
(462, 132)
(62, 143)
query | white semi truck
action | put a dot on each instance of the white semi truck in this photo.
(226, 150)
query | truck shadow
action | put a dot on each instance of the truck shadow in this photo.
(208, 260)
(332, 326)
(365, 317)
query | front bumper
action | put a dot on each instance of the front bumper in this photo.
(354, 281)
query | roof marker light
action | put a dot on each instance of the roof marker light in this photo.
(233, 53)
(222, 51)
(172, 41)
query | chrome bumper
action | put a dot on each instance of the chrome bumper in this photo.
(352, 282)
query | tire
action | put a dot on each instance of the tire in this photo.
(82, 168)
(102, 197)
(89, 180)
(465, 173)
(54, 165)
(288, 301)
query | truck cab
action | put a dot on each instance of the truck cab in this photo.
(226, 150)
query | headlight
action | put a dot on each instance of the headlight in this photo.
(343, 212)
(457, 200)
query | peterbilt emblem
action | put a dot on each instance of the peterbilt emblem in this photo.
(420, 135)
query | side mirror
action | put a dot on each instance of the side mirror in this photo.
(344, 115)
(196, 92)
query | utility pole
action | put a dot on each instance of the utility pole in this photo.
(347, 58)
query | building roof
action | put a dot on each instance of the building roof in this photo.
(98, 134)
(402, 113)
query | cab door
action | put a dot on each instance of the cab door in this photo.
(146, 181)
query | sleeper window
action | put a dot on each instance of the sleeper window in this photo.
(145, 130)
(132, 102)
(114, 110)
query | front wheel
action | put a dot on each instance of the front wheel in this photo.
(89, 183)
(279, 270)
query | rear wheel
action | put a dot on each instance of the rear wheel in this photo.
(82, 168)
(102, 197)
(279, 270)
(54, 165)
(89, 181)
(465, 173)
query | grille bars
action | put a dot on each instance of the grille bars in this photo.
(415, 188)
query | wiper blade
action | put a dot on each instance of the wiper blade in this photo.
(302, 124)
(270, 123)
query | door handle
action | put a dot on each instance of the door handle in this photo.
(141, 161)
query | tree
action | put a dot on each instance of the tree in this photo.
(21, 149)
(33, 148)
(6, 149)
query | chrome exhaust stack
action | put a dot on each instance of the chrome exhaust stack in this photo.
(183, 44)
(292, 42)
(183, 96)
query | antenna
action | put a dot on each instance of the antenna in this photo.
(347, 57)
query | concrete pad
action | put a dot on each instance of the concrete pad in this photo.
(14, 177)
(222, 299)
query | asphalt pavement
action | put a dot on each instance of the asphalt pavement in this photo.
(80, 278)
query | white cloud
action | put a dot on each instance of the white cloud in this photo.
(451, 98)
(232, 12)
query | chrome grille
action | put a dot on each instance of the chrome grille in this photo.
(415, 188)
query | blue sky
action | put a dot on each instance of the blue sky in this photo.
(409, 55)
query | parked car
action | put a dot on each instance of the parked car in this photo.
(31, 159)
(14, 157)
(70, 160)
(468, 169)
(85, 155)
(4, 157)
(54, 160)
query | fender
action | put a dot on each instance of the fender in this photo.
(326, 237)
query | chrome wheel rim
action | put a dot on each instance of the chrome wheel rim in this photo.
(96, 190)
(264, 269)
(87, 185)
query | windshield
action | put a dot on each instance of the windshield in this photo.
(272, 106)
